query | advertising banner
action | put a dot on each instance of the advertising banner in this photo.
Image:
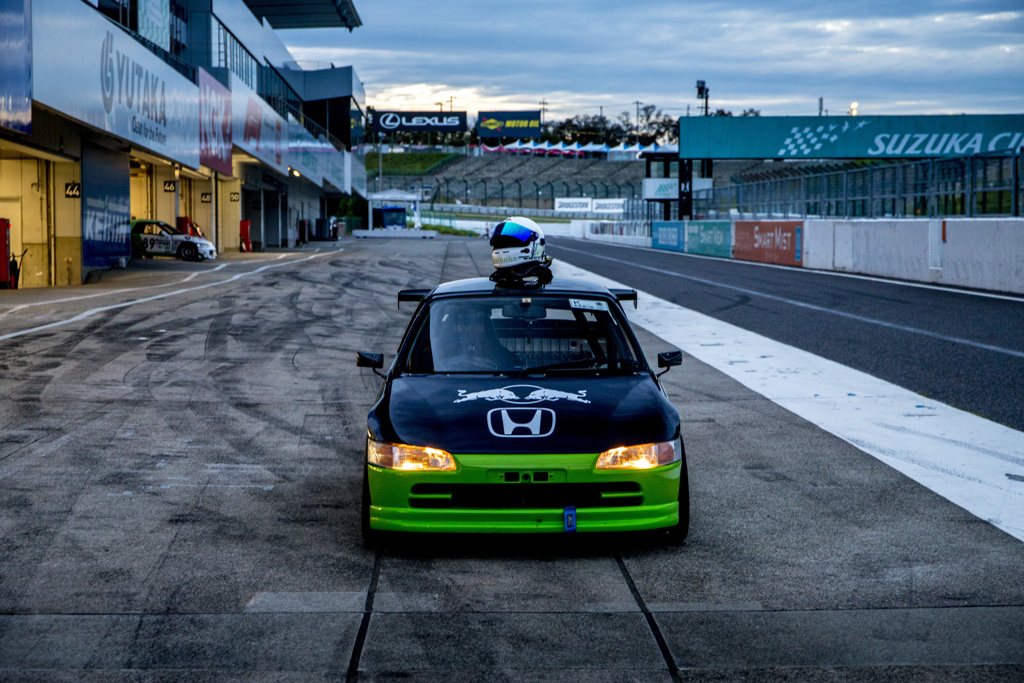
(668, 235)
(577, 204)
(661, 188)
(214, 124)
(769, 242)
(508, 124)
(609, 206)
(16, 57)
(847, 137)
(419, 122)
(256, 128)
(106, 206)
(87, 68)
(710, 238)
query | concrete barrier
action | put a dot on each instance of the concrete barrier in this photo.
(980, 253)
(630, 233)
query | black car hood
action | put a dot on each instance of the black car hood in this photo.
(474, 414)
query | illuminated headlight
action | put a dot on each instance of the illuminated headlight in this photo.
(641, 457)
(398, 456)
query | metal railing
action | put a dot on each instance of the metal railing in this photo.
(981, 185)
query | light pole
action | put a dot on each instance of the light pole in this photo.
(637, 127)
(380, 158)
(703, 93)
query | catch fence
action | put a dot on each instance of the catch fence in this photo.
(981, 185)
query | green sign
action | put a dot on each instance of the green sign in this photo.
(847, 137)
(710, 238)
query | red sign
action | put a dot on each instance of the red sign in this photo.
(214, 124)
(769, 242)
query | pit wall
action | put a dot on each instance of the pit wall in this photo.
(978, 253)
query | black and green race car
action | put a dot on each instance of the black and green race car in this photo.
(522, 410)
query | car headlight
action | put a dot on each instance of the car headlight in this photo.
(641, 457)
(399, 456)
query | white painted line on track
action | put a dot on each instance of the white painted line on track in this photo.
(813, 307)
(125, 304)
(946, 289)
(107, 293)
(972, 462)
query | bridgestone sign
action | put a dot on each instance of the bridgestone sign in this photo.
(419, 122)
(590, 205)
(575, 204)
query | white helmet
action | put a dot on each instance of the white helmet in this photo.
(517, 241)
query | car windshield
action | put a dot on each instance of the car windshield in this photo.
(155, 229)
(520, 335)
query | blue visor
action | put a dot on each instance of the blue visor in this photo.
(512, 234)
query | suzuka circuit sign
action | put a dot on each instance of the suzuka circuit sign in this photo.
(847, 137)
(419, 122)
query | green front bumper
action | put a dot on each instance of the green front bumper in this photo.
(480, 496)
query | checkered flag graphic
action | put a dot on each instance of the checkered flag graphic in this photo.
(804, 142)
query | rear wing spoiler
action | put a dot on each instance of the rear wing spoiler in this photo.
(417, 295)
(625, 295)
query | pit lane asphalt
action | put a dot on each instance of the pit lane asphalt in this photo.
(179, 481)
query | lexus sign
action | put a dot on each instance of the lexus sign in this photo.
(419, 122)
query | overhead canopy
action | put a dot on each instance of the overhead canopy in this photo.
(307, 13)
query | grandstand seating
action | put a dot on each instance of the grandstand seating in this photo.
(502, 178)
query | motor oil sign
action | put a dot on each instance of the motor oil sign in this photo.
(769, 242)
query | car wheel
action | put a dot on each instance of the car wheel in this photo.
(188, 252)
(678, 533)
(371, 537)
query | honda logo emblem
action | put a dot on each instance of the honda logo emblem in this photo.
(521, 422)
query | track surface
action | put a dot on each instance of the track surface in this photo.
(958, 348)
(179, 486)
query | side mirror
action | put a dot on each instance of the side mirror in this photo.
(669, 359)
(375, 361)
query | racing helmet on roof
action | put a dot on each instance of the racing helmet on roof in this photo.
(517, 241)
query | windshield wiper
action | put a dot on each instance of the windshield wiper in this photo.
(622, 363)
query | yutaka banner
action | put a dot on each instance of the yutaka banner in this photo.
(214, 124)
(16, 57)
(89, 69)
(419, 122)
(847, 137)
(508, 124)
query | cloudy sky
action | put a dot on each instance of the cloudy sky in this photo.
(891, 56)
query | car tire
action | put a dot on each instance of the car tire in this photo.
(678, 533)
(371, 537)
(188, 252)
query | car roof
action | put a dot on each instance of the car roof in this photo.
(482, 285)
